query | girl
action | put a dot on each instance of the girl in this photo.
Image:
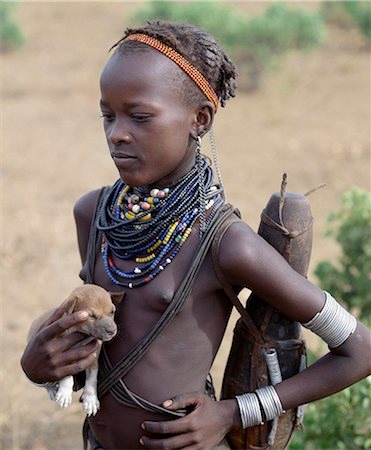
(148, 236)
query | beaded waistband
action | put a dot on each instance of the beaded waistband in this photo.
(183, 63)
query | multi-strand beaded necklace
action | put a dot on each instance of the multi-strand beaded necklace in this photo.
(150, 228)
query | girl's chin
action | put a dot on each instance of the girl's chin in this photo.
(132, 181)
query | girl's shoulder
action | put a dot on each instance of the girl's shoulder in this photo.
(241, 251)
(86, 206)
(237, 237)
(84, 212)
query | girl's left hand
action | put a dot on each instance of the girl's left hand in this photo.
(202, 429)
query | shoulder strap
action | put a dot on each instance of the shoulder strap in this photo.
(111, 375)
(228, 289)
(94, 238)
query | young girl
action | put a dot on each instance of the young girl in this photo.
(148, 236)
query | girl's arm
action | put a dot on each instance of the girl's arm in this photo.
(49, 355)
(248, 260)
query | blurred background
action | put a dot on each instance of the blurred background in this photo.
(303, 107)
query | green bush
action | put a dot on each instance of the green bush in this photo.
(217, 18)
(342, 421)
(255, 43)
(360, 12)
(11, 36)
(274, 33)
(339, 422)
(347, 13)
(350, 279)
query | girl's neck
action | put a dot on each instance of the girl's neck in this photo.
(184, 167)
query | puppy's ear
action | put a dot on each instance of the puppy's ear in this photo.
(69, 304)
(117, 297)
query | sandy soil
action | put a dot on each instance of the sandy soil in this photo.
(311, 120)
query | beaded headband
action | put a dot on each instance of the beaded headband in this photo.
(185, 65)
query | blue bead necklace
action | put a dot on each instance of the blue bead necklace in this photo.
(150, 227)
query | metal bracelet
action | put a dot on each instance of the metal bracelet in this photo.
(333, 323)
(273, 365)
(249, 407)
(270, 402)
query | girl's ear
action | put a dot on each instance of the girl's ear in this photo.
(203, 119)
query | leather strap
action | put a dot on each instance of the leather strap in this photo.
(112, 376)
(228, 289)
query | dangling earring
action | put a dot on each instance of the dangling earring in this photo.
(201, 187)
(215, 160)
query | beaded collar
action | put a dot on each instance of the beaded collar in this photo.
(150, 227)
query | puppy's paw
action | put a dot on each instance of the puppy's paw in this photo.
(90, 404)
(63, 398)
(64, 394)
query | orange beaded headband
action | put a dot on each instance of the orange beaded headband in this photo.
(185, 65)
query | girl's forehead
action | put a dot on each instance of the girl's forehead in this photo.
(148, 67)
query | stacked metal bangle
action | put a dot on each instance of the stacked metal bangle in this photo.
(270, 402)
(273, 365)
(260, 406)
(333, 323)
(250, 412)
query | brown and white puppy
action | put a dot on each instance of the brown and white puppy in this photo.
(99, 325)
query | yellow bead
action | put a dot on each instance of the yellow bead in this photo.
(145, 258)
(129, 215)
(158, 243)
(146, 217)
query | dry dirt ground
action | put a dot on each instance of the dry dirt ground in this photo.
(311, 120)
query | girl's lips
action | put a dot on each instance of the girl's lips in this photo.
(123, 160)
(122, 156)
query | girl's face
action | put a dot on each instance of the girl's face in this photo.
(147, 125)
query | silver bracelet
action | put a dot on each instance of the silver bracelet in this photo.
(273, 365)
(270, 402)
(249, 407)
(333, 323)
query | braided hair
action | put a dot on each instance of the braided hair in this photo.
(198, 47)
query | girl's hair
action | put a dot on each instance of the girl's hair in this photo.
(198, 47)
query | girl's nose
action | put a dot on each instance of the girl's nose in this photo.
(118, 135)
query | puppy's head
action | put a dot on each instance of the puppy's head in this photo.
(98, 303)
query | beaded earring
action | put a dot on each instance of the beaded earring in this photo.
(201, 187)
(215, 160)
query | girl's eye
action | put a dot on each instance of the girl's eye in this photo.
(107, 116)
(141, 117)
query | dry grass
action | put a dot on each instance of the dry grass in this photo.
(310, 120)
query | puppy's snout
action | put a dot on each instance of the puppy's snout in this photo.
(108, 329)
(111, 329)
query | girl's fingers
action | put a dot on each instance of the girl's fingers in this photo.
(176, 426)
(79, 353)
(182, 401)
(59, 326)
(77, 366)
(55, 315)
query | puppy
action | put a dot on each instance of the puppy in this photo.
(100, 325)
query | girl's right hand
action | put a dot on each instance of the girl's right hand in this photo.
(49, 355)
